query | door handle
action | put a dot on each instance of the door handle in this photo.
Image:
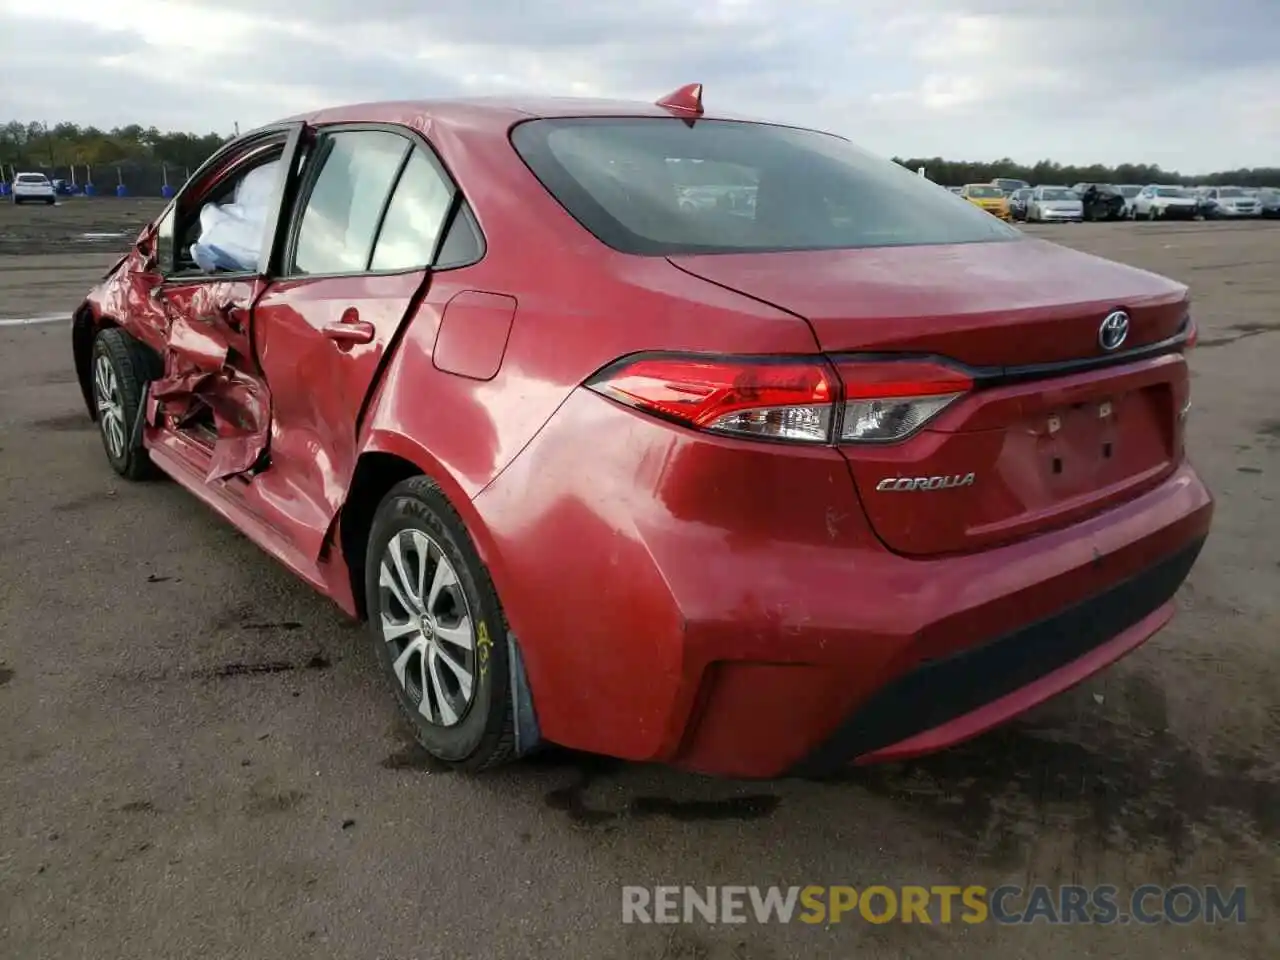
(350, 331)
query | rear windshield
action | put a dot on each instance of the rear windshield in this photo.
(984, 192)
(1171, 192)
(657, 186)
(32, 178)
(1059, 193)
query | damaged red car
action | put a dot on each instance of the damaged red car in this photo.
(659, 434)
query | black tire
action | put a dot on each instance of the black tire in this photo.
(483, 735)
(51, 201)
(16, 201)
(132, 365)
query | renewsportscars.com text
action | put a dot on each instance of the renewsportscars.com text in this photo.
(972, 904)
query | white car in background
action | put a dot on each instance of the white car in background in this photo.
(1054, 204)
(1130, 192)
(1231, 202)
(33, 188)
(1166, 201)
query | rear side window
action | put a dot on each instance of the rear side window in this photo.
(414, 218)
(659, 186)
(347, 196)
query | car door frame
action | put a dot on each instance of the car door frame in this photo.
(224, 164)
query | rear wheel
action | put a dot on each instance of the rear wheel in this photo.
(120, 367)
(439, 629)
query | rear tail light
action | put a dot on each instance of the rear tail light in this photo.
(804, 401)
(1193, 333)
(885, 402)
(777, 400)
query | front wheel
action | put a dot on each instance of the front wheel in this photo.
(121, 365)
(439, 630)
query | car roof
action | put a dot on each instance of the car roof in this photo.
(495, 113)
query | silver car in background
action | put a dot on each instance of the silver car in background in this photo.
(1054, 204)
(1231, 202)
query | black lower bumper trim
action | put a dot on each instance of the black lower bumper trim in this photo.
(942, 690)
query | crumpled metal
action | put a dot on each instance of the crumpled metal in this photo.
(202, 357)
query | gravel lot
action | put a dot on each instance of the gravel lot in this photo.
(200, 759)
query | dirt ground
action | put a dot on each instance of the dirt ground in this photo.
(199, 758)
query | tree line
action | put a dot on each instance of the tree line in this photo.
(35, 146)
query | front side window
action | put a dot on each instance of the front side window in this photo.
(228, 228)
(341, 212)
(415, 217)
(658, 186)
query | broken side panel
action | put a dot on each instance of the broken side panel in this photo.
(212, 386)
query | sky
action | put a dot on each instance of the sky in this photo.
(1186, 84)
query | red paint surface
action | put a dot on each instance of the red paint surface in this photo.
(714, 602)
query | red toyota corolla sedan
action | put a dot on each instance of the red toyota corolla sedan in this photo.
(657, 434)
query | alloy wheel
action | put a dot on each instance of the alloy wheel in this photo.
(427, 623)
(110, 407)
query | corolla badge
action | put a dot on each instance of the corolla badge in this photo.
(904, 484)
(1114, 330)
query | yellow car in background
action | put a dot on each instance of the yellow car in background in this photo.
(989, 197)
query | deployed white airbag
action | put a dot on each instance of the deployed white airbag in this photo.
(231, 233)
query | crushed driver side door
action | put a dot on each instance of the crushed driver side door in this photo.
(210, 408)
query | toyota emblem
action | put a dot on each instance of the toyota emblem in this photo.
(1114, 330)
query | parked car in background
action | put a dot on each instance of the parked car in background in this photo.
(1102, 201)
(1018, 203)
(1269, 203)
(1054, 204)
(33, 188)
(1229, 202)
(1008, 185)
(1166, 202)
(1130, 192)
(988, 197)
(955, 190)
(752, 499)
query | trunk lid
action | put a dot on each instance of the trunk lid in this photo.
(1040, 442)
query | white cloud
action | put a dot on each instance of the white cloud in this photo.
(1075, 80)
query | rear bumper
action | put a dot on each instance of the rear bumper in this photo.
(1060, 607)
(943, 702)
(723, 605)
